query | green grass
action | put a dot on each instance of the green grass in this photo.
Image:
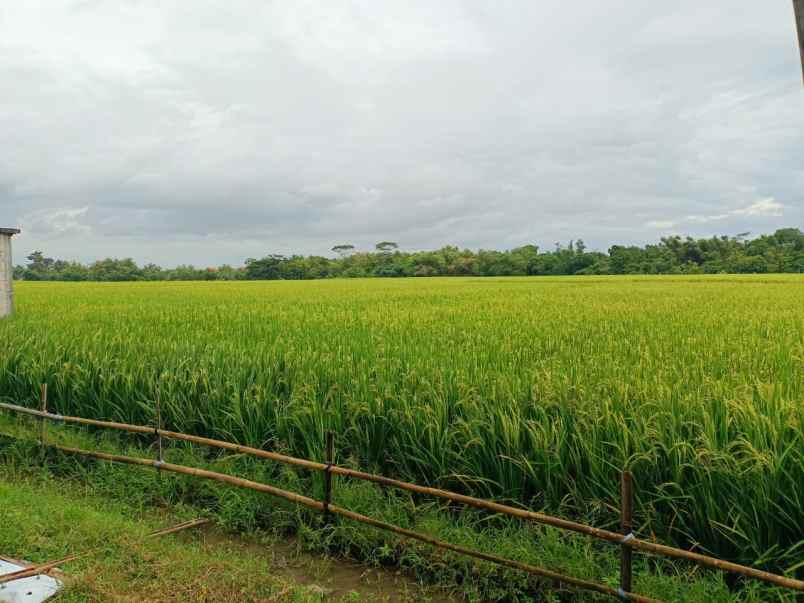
(537, 391)
(141, 490)
(42, 519)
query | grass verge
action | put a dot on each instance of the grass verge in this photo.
(245, 511)
(42, 518)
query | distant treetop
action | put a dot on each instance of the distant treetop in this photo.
(782, 251)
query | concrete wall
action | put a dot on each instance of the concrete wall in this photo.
(6, 272)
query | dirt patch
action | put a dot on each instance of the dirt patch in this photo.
(336, 579)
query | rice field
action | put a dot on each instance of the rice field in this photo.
(532, 390)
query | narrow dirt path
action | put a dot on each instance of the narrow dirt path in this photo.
(335, 579)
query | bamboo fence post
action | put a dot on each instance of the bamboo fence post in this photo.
(43, 408)
(158, 432)
(626, 525)
(330, 459)
(159, 427)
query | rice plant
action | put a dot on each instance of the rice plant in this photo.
(531, 390)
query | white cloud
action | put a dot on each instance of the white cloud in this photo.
(767, 207)
(705, 219)
(57, 222)
(763, 207)
(660, 224)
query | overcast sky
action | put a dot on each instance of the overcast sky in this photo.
(208, 132)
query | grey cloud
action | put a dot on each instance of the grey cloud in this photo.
(153, 131)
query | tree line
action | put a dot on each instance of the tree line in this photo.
(782, 251)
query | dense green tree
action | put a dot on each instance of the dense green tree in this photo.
(267, 268)
(37, 262)
(115, 270)
(343, 250)
(782, 251)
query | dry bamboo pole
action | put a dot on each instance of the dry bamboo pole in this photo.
(38, 570)
(319, 506)
(159, 427)
(187, 525)
(42, 422)
(330, 456)
(77, 420)
(564, 524)
(626, 525)
(43, 408)
(43, 568)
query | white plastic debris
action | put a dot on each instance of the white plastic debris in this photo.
(27, 590)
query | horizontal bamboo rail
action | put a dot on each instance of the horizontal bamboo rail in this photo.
(557, 522)
(38, 570)
(335, 510)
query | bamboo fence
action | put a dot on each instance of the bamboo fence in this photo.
(626, 540)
